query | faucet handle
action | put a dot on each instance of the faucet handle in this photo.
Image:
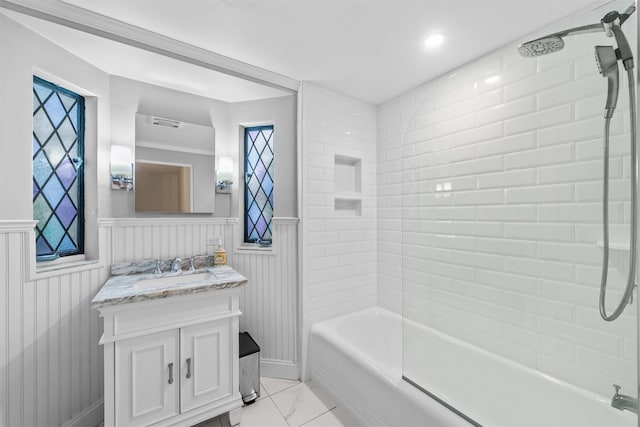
(158, 270)
(191, 266)
(617, 387)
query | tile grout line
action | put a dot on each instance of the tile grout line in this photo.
(280, 412)
(316, 417)
(270, 396)
(329, 409)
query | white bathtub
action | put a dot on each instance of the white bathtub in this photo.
(357, 360)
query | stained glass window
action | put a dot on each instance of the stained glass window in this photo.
(58, 157)
(258, 149)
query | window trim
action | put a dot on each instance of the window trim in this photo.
(247, 245)
(59, 259)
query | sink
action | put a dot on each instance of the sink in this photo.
(177, 279)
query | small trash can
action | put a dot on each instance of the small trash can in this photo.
(249, 368)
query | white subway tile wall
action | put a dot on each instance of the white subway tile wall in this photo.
(339, 253)
(489, 209)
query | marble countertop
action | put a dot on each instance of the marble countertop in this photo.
(122, 289)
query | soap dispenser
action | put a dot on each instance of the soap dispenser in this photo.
(220, 255)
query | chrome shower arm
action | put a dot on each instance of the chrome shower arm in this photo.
(584, 29)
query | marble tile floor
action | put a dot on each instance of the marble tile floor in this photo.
(285, 403)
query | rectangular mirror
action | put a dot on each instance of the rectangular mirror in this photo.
(175, 166)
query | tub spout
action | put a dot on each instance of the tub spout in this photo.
(622, 401)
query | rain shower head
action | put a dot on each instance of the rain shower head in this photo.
(554, 42)
(541, 46)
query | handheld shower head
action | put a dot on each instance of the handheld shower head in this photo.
(608, 67)
(541, 46)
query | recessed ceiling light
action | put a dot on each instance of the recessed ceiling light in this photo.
(434, 40)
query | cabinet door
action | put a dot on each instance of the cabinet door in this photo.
(206, 363)
(147, 378)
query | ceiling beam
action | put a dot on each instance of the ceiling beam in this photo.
(99, 25)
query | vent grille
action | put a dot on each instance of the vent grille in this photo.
(165, 122)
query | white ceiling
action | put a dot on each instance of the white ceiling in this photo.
(137, 64)
(369, 49)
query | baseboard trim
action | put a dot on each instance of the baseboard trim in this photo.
(279, 369)
(93, 415)
(90, 417)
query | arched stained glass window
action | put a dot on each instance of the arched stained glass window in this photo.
(58, 158)
(258, 189)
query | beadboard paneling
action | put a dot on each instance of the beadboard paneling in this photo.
(135, 239)
(51, 366)
(268, 302)
(50, 363)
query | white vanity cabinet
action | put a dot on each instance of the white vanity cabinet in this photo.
(204, 349)
(173, 360)
(145, 387)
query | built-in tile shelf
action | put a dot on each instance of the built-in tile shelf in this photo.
(616, 244)
(348, 206)
(348, 196)
(347, 186)
(618, 255)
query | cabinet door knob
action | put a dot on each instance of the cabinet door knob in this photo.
(171, 373)
(188, 368)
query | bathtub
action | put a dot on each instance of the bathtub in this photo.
(357, 360)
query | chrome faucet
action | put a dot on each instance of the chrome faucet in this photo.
(191, 266)
(158, 270)
(622, 401)
(175, 265)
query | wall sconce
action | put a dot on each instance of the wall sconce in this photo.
(225, 175)
(121, 168)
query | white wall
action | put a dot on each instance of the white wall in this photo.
(339, 252)
(129, 97)
(502, 185)
(280, 112)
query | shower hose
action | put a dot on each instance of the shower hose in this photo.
(627, 298)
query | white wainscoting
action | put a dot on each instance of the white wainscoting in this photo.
(134, 239)
(51, 366)
(50, 361)
(268, 302)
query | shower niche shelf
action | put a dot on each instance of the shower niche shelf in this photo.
(615, 244)
(348, 206)
(618, 255)
(347, 175)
